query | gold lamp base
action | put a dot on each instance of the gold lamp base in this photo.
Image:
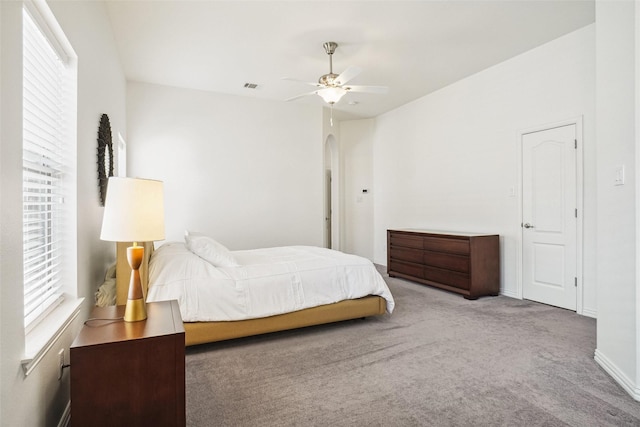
(135, 309)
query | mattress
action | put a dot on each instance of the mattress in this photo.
(267, 281)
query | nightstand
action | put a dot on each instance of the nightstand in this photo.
(129, 373)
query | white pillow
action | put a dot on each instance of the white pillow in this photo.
(209, 250)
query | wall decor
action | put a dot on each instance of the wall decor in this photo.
(105, 156)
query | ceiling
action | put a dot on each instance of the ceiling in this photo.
(413, 47)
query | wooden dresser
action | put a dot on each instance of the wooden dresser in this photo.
(129, 373)
(466, 263)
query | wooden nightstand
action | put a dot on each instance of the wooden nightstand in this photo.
(129, 374)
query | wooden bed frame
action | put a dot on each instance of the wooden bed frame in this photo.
(205, 332)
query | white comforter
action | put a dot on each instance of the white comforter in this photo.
(267, 282)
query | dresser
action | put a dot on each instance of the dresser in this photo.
(129, 373)
(465, 263)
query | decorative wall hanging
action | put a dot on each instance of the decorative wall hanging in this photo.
(105, 156)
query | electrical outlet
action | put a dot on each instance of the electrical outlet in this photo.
(60, 363)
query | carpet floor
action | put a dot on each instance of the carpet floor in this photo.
(438, 360)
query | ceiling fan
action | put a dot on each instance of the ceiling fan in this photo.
(331, 87)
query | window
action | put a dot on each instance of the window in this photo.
(48, 169)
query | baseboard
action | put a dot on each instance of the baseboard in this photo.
(615, 373)
(66, 416)
(509, 294)
(589, 312)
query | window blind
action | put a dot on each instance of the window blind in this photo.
(43, 170)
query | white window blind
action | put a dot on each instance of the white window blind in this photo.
(43, 172)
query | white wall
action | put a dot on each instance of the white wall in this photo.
(40, 399)
(248, 172)
(617, 91)
(357, 152)
(448, 161)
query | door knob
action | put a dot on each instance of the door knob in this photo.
(527, 225)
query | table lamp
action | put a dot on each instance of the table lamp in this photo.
(133, 212)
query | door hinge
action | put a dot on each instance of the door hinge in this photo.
(576, 212)
(575, 144)
(575, 282)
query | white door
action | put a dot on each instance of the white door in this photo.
(549, 216)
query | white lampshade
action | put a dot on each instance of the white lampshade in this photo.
(133, 210)
(331, 95)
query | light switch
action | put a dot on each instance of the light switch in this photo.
(619, 175)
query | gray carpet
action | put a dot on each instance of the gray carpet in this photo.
(439, 360)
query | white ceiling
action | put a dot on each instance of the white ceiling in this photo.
(413, 47)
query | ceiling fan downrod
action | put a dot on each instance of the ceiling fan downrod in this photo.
(327, 79)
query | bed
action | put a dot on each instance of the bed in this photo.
(244, 280)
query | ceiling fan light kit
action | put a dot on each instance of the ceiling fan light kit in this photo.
(331, 95)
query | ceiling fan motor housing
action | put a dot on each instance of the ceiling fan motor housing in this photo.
(328, 79)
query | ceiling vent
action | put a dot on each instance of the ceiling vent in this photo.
(250, 85)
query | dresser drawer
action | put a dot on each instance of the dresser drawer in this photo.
(447, 277)
(453, 246)
(406, 254)
(406, 241)
(448, 261)
(414, 270)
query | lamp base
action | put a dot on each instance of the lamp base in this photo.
(135, 310)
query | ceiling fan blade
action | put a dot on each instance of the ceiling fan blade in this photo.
(347, 75)
(302, 81)
(367, 89)
(302, 95)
